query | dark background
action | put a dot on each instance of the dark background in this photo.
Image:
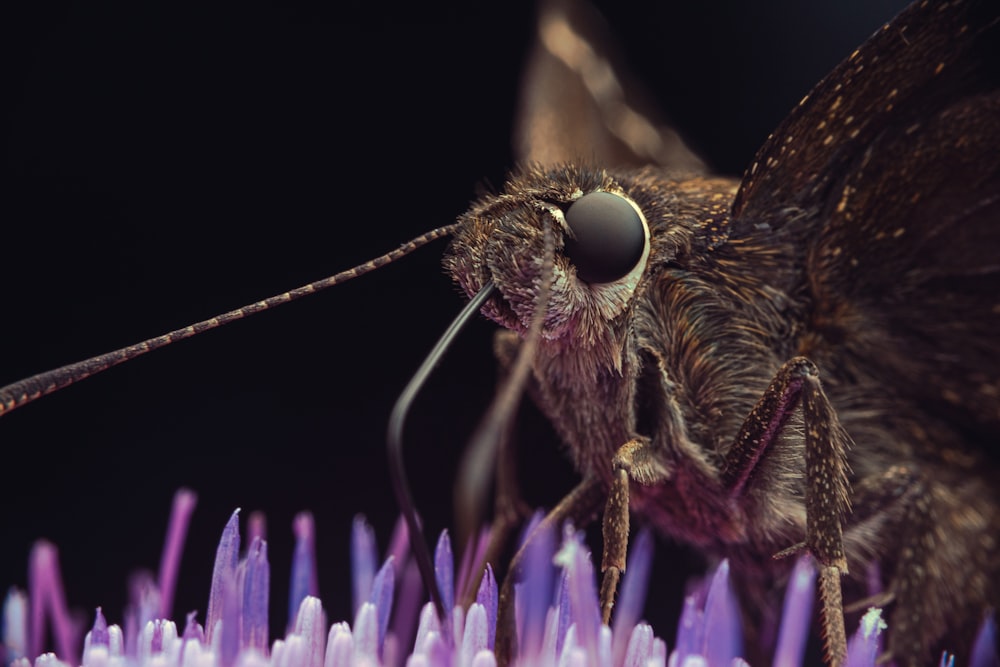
(161, 165)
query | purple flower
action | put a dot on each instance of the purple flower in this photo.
(556, 609)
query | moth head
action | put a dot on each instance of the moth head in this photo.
(602, 246)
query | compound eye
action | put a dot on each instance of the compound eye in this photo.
(607, 237)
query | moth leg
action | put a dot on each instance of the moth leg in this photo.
(509, 511)
(580, 507)
(635, 460)
(901, 500)
(909, 641)
(881, 503)
(898, 502)
(827, 489)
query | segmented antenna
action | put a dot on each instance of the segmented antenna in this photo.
(25, 391)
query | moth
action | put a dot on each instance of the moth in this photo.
(758, 370)
(799, 360)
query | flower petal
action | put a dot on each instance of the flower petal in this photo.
(488, 596)
(310, 625)
(723, 638)
(339, 646)
(366, 633)
(192, 630)
(143, 606)
(382, 592)
(14, 625)
(305, 581)
(229, 632)
(98, 635)
(226, 559)
(640, 646)
(475, 636)
(796, 614)
(156, 637)
(604, 646)
(585, 611)
(444, 571)
(534, 594)
(48, 598)
(864, 645)
(984, 650)
(429, 624)
(632, 598)
(173, 547)
(484, 658)
(689, 630)
(659, 658)
(406, 610)
(256, 585)
(364, 561)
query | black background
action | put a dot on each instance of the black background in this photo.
(161, 165)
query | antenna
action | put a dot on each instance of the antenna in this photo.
(29, 389)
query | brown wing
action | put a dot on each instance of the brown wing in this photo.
(894, 161)
(577, 103)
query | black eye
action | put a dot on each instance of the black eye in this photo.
(608, 237)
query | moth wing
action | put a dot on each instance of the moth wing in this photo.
(578, 104)
(893, 163)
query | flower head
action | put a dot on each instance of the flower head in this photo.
(557, 613)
